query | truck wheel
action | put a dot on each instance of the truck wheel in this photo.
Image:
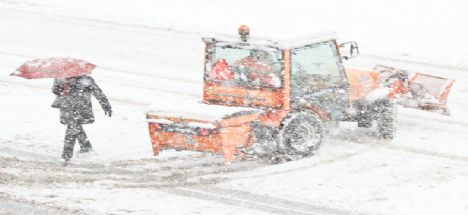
(364, 117)
(301, 134)
(386, 119)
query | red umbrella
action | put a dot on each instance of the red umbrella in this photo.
(54, 68)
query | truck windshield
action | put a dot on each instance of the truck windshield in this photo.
(248, 67)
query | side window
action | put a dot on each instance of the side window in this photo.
(316, 67)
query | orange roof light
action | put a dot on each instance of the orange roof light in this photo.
(244, 32)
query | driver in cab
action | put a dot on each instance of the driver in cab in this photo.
(259, 68)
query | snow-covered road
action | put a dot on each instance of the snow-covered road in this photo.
(423, 171)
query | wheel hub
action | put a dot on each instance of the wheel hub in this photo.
(302, 137)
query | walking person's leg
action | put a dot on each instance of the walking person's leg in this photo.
(70, 139)
(85, 145)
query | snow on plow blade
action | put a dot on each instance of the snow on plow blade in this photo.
(420, 91)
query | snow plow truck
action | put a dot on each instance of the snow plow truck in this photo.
(272, 98)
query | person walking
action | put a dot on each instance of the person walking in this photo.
(73, 99)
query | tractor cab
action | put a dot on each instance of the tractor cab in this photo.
(276, 75)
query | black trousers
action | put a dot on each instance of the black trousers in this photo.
(75, 132)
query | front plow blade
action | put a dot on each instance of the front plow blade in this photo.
(420, 91)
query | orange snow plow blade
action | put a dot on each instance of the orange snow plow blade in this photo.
(218, 129)
(422, 91)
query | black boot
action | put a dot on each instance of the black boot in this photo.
(84, 149)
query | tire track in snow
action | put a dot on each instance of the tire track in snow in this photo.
(321, 162)
(372, 143)
(155, 173)
(368, 138)
(12, 205)
(263, 203)
(441, 155)
(446, 120)
(418, 151)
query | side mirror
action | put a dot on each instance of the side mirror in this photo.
(349, 50)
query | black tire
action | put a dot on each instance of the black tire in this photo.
(364, 117)
(386, 119)
(300, 135)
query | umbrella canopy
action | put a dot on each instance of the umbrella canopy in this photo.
(54, 68)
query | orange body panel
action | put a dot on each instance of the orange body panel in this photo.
(237, 96)
(184, 141)
(273, 118)
(361, 82)
(287, 80)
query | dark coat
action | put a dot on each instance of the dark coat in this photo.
(74, 99)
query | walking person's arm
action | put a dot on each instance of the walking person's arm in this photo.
(97, 92)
